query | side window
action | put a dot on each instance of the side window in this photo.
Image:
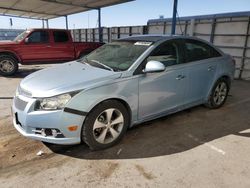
(196, 50)
(166, 53)
(39, 37)
(60, 36)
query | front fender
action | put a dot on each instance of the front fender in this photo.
(123, 89)
(14, 54)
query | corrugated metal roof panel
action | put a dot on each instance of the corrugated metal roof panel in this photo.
(47, 9)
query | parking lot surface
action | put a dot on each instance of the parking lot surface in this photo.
(198, 147)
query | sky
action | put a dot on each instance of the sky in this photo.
(134, 13)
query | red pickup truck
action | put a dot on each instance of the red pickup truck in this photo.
(36, 46)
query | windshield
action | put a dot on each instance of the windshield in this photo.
(21, 36)
(116, 56)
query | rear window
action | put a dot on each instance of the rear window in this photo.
(60, 36)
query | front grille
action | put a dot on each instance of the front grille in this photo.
(20, 104)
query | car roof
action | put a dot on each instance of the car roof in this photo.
(155, 38)
(162, 38)
(146, 38)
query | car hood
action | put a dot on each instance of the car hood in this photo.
(7, 43)
(65, 78)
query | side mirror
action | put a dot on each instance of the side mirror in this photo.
(154, 66)
(26, 40)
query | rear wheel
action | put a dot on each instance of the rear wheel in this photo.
(105, 125)
(219, 94)
(8, 65)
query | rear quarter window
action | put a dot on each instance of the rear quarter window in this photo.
(197, 50)
(60, 36)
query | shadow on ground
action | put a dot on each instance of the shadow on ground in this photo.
(172, 134)
(25, 72)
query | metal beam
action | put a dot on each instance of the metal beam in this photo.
(25, 17)
(69, 4)
(29, 11)
(174, 17)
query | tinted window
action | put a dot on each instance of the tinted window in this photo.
(60, 36)
(166, 53)
(196, 50)
(39, 36)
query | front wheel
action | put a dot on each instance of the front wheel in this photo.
(8, 65)
(219, 94)
(105, 125)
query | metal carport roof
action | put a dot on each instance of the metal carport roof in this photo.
(48, 9)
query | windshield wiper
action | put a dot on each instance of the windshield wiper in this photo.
(105, 66)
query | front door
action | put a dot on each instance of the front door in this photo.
(164, 91)
(37, 48)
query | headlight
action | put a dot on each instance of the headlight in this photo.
(53, 103)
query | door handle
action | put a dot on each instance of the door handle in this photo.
(48, 46)
(180, 77)
(210, 68)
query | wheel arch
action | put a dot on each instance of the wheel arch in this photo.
(224, 76)
(120, 100)
(13, 54)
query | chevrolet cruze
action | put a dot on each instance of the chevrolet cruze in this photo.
(121, 84)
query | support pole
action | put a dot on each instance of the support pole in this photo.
(174, 17)
(213, 30)
(100, 25)
(66, 20)
(43, 23)
(47, 24)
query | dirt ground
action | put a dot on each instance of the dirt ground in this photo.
(194, 148)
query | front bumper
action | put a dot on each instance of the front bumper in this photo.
(27, 121)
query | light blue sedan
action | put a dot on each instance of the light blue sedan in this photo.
(121, 84)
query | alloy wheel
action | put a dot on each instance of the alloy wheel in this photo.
(220, 93)
(108, 126)
(6, 66)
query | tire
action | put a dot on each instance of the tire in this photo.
(98, 132)
(8, 65)
(219, 94)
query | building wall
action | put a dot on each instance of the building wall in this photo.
(9, 34)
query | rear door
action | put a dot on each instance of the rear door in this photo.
(163, 91)
(201, 60)
(62, 46)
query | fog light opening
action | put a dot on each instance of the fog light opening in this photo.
(43, 132)
(55, 133)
